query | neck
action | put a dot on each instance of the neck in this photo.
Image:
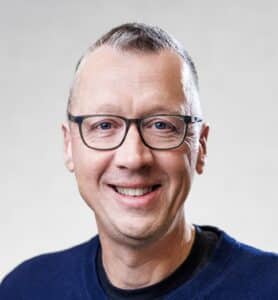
(133, 268)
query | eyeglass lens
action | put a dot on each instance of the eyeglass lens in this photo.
(106, 132)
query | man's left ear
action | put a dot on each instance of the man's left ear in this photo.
(202, 149)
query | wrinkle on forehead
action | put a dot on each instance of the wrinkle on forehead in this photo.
(95, 67)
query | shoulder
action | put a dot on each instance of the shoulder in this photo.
(229, 244)
(245, 269)
(46, 272)
(260, 265)
(250, 255)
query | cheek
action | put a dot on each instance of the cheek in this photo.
(191, 152)
(178, 166)
(184, 172)
(89, 165)
(181, 159)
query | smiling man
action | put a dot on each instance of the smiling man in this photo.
(134, 139)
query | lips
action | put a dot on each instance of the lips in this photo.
(135, 192)
(136, 195)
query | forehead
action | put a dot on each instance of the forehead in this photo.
(130, 81)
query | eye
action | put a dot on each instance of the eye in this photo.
(161, 125)
(105, 125)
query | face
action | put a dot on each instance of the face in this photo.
(136, 193)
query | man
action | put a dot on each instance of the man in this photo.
(134, 139)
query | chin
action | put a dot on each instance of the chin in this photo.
(140, 235)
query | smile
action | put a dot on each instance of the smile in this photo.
(134, 192)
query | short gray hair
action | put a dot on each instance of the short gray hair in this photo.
(143, 38)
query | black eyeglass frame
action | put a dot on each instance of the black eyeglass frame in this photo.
(128, 121)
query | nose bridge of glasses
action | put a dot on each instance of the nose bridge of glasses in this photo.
(136, 122)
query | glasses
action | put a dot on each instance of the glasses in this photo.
(108, 132)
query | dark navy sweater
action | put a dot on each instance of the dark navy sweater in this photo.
(234, 271)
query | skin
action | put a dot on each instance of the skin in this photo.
(141, 244)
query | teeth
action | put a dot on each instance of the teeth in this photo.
(133, 192)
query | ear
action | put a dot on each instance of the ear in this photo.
(202, 150)
(67, 147)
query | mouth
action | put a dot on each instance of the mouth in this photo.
(135, 192)
(136, 196)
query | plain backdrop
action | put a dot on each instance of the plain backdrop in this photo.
(234, 45)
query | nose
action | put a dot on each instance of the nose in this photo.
(133, 154)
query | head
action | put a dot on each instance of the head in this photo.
(137, 193)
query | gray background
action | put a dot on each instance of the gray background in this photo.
(234, 45)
